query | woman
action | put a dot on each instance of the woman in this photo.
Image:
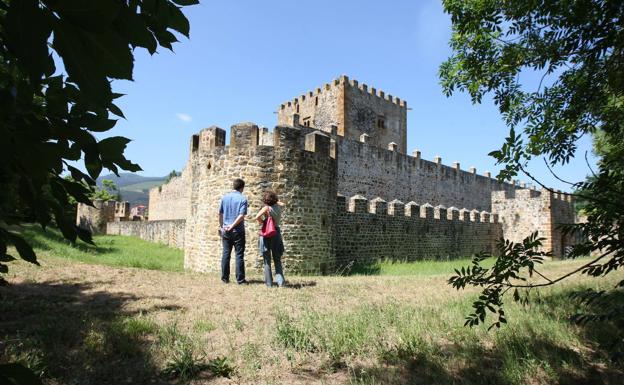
(272, 246)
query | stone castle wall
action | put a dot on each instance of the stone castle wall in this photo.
(94, 218)
(170, 233)
(367, 170)
(525, 211)
(302, 175)
(170, 200)
(378, 230)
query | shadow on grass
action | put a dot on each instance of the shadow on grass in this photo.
(518, 356)
(33, 234)
(545, 363)
(76, 336)
(600, 319)
(288, 285)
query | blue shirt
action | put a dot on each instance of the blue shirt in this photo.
(232, 205)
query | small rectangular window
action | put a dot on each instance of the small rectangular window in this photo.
(316, 101)
(195, 142)
(381, 121)
(306, 121)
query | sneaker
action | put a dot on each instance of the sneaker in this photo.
(225, 280)
(243, 282)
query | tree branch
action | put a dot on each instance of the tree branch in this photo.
(542, 275)
(555, 175)
(552, 282)
(589, 166)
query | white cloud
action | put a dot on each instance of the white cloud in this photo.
(184, 117)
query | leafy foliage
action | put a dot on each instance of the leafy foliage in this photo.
(108, 191)
(49, 116)
(501, 277)
(172, 175)
(577, 46)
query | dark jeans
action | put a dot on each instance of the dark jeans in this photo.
(235, 239)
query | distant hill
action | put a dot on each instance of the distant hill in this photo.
(126, 178)
(133, 188)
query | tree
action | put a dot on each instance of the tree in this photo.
(171, 175)
(108, 192)
(49, 116)
(577, 49)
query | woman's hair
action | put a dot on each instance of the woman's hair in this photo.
(269, 198)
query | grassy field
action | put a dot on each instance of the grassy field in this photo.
(108, 250)
(85, 323)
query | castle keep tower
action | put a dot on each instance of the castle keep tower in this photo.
(350, 110)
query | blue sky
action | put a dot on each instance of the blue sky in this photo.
(246, 57)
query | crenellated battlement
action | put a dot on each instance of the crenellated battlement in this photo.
(375, 229)
(246, 136)
(359, 204)
(532, 193)
(344, 81)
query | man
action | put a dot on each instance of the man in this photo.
(232, 228)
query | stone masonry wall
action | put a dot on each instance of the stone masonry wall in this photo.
(377, 230)
(170, 200)
(170, 233)
(367, 170)
(320, 108)
(363, 108)
(94, 218)
(526, 211)
(348, 109)
(303, 177)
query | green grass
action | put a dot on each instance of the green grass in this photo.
(109, 250)
(416, 268)
(540, 346)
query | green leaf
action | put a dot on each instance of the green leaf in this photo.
(92, 161)
(81, 64)
(116, 110)
(178, 21)
(112, 147)
(94, 15)
(91, 58)
(23, 248)
(27, 28)
(134, 28)
(186, 2)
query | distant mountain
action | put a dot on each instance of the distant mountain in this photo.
(126, 178)
(133, 188)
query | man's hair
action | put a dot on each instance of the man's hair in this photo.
(269, 198)
(238, 184)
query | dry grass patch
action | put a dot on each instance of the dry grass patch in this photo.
(93, 324)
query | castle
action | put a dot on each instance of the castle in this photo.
(338, 158)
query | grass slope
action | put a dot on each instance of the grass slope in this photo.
(108, 250)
